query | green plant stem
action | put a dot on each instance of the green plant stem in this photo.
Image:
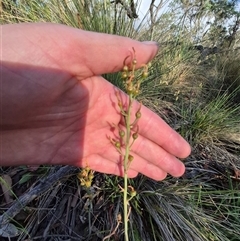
(126, 165)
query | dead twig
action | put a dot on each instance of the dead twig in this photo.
(43, 186)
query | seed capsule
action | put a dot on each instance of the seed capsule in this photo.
(90, 176)
(136, 92)
(120, 104)
(129, 90)
(134, 61)
(133, 193)
(121, 133)
(145, 74)
(124, 75)
(130, 158)
(135, 136)
(117, 144)
(125, 68)
(138, 115)
(88, 183)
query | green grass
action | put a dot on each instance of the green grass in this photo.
(211, 121)
(200, 99)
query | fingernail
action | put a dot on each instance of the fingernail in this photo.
(151, 43)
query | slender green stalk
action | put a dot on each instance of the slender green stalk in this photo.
(126, 165)
(126, 140)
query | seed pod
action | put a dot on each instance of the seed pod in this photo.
(136, 92)
(124, 75)
(130, 158)
(145, 74)
(117, 144)
(129, 92)
(130, 89)
(121, 133)
(90, 176)
(88, 183)
(134, 61)
(120, 104)
(125, 68)
(133, 193)
(138, 115)
(135, 136)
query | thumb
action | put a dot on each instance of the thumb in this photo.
(104, 53)
(92, 53)
(80, 53)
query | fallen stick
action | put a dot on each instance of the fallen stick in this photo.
(37, 190)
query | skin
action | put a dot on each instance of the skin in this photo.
(57, 109)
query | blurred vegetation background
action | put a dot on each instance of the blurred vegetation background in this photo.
(194, 85)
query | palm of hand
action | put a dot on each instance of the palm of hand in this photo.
(63, 120)
(64, 109)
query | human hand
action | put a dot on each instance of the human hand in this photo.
(57, 109)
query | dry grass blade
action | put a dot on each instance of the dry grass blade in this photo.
(37, 190)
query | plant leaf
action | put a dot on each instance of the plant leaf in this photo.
(26, 177)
